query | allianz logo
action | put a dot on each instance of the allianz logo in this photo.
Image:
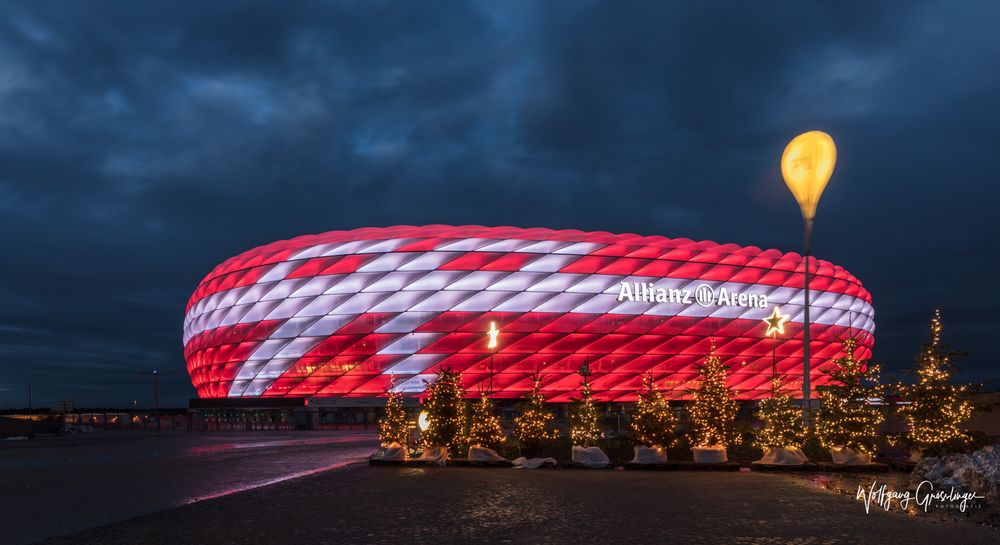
(703, 295)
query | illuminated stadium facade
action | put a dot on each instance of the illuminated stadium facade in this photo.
(352, 313)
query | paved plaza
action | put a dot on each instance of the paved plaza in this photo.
(56, 485)
(361, 504)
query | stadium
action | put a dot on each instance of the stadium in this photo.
(351, 314)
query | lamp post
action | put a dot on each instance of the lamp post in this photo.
(806, 166)
(491, 344)
(31, 418)
(156, 397)
(775, 326)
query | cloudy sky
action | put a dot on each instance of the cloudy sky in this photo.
(141, 143)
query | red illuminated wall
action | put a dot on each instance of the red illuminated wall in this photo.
(345, 313)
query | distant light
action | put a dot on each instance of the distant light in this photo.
(423, 421)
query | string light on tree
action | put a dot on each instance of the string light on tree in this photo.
(584, 426)
(935, 409)
(485, 429)
(653, 423)
(782, 420)
(713, 411)
(534, 425)
(848, 419)
(445, 408)
(393, 426)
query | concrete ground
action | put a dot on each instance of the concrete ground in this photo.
(371, 505)
(57, 485)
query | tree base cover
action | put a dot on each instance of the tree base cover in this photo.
(434, 454)
(849, 457)
(483, 454)
(590, 457)
(533, 463)
(710, 455)
(392, 452)
(786, 456)
(649, 455)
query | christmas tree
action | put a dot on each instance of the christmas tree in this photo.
(782, 420)
(445, 408)
(392, 427)
(713, 412)
(847, 418)
(653, 423)
(935, 410)
(484, 426)
(583, 419)
(533, 425)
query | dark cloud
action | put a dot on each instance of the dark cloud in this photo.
(141, 144)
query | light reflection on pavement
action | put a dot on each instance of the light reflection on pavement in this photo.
(52, 486)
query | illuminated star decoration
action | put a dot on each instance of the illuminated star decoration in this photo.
(492, 333)
(775, 322)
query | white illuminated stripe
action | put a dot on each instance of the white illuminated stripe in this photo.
(467, 245)
(507, 245)
(580, 248)
(544, 246)
(520, 291)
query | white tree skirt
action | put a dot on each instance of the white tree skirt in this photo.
(710, 455)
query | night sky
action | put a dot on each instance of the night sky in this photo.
(142, 143)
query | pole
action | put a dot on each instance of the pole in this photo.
(156, 398)
(30, 411)
(774, 355)
(806, 391)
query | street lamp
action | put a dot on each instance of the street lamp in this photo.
(156, 397)
(806, 166)
(775, 326)
(491, 344)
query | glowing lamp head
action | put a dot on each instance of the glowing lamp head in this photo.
(492, 334)
(807, 165)
(423, 421)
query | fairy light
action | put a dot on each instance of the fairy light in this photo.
(485, 429)
(653, 423)
(936, 409)
(445, 408)
(847, 418)
(782, 420)
(393, 427)
(583, 417)
(713, 412)
(534, 425)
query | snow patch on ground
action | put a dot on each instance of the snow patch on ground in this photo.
(977, 472)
